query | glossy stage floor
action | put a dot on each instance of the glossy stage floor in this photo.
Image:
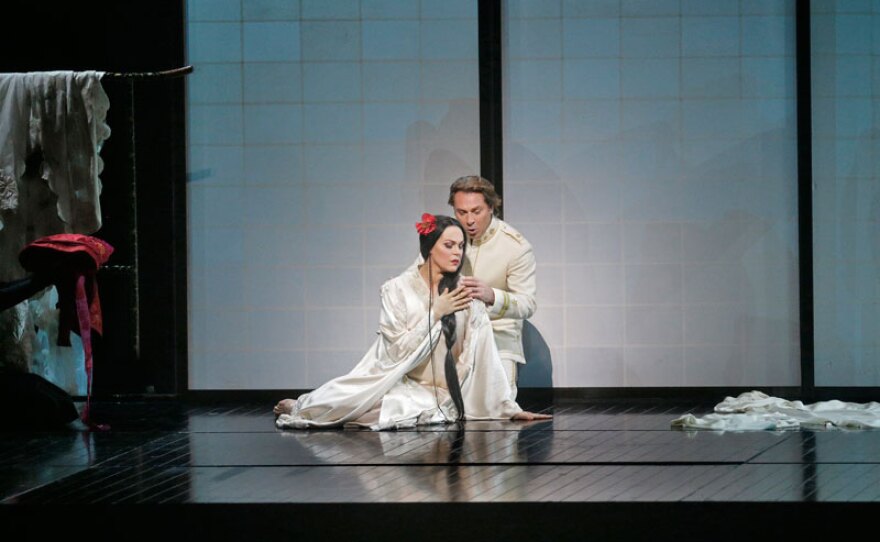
(610, 470)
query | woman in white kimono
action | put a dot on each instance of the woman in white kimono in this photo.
(410, 375)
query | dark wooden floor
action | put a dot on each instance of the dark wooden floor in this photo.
(613, 469)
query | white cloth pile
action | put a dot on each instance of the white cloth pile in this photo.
(756, 411)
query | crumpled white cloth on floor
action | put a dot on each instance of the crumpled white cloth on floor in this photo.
(757, 411)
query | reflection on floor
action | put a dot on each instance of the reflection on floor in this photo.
(614, 452)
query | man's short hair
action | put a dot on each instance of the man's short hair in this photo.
(479, 185)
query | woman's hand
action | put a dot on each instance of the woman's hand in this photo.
(527, 416)
(450, 302)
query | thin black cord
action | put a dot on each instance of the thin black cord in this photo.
(431, 339)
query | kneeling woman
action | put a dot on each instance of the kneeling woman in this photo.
(411, 375)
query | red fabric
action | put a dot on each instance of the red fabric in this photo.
(67, 256)
(72, 260)
(70, 243)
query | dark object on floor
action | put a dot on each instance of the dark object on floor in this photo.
(14, 292)
(30, 402)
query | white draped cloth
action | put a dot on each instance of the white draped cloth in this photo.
(61, 114)
(400, 380)
(52, 127)
(755, 411)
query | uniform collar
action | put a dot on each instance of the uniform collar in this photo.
(490, 232)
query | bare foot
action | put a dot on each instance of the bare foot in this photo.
(284, 406)
(527, 416)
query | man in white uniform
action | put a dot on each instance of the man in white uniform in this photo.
(499, 268)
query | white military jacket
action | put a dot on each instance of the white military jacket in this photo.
(503, 259)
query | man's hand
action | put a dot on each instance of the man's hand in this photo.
(477, 289)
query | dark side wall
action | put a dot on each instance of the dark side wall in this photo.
(144, 193)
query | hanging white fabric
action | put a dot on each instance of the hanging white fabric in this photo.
(60, 114)
(53, 122)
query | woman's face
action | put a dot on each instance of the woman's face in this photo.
(447, 251)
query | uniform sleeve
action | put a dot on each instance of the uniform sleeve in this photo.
(518, 301)
(405, 339)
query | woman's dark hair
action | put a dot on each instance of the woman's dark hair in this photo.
(449, 281)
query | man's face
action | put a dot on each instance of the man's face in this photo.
(473, 213)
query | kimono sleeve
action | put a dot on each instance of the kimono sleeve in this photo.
(405, 337)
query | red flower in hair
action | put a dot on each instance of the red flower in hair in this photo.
(427, 225)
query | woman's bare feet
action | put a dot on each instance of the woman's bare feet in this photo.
(527, 416)
(284, 406)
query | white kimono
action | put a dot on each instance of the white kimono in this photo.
(399, 382)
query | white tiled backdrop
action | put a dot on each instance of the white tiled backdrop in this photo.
(846, 200)
(649, 158)
(319, 131)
